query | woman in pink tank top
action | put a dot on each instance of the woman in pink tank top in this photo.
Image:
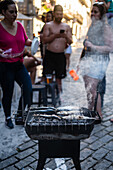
(13, 38)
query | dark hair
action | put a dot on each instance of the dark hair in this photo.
(44, 17)
(58, 8)
(50, 12)
(101, 8)
(4, 5)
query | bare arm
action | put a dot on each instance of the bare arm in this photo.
(28, 42)
(47, 36)
(68, 35)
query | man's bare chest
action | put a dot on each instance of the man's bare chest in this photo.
(56, 29)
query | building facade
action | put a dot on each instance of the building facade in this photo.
(76, 14)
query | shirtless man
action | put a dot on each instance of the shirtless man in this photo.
(56, 39)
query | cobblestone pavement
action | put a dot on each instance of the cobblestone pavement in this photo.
(18, 151)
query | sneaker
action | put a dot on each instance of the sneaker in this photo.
(9, 123)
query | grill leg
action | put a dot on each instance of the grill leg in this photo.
(76, 163)
(41, 163)
(76, 156)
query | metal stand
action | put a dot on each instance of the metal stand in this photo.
(59, 149)
(53, 93)
(42, 94)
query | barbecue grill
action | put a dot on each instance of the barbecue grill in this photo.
(59, 131)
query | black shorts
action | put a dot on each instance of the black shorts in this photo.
(54, 62)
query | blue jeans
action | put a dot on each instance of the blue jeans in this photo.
(10, 72)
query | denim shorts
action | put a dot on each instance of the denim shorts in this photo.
(94, 66)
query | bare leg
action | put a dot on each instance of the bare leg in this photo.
(32, 74)
(91, 89)
(67, 61)
(31, 67)
(59, 82)
(99, 105)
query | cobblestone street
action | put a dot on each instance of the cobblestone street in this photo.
(18, 151)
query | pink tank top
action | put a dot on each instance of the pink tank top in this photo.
(16, 43)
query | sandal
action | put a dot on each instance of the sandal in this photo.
(98, 119)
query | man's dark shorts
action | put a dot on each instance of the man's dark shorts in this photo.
(54, 62)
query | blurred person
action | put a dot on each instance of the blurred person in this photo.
(46, 18)
(98, 44)
(109, 12)
(56, 35)
(30, 63)
(68, 52)
(49, 17)
(13, 38)
(41, 34)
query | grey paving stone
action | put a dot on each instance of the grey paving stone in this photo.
(51, 164)
(36, 147)
(27, 145)
(83, 145)
(25, 162)
(109, 146)
(109, 156)
(85, 153)
(103, 165)
(105, 139)
(27, 168)
(69, 164)
(7, 154)
(100, 153)
(33, 165)
(111, 167)
(35, 155)
(97, 128)
(8, 162)
(96, 145)
(101, 133)
(109, 129)
(25, 153)
(88, 163)
(10, 168)
(108, 123)
(91, 139)
(48, 160)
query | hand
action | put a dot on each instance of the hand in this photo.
(1, 51)
(57, 35)
(77, 69)
(88, 44)
(63, 35)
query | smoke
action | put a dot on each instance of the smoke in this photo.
(95, 62)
